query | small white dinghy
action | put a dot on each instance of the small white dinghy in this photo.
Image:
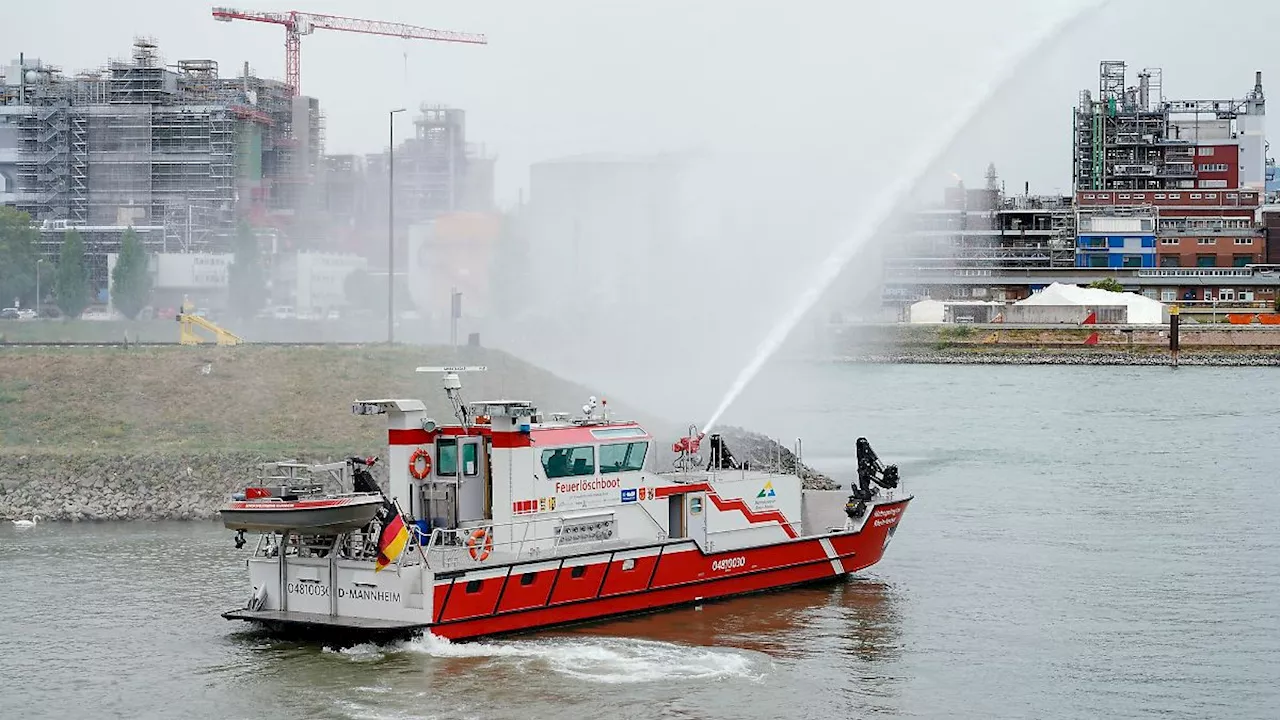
(283, 503)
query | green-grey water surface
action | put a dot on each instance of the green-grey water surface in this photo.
(1085, 542)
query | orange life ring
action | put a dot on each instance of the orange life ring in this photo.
(425, 457)
(480, 544)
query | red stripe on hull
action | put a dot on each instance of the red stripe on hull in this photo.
(622, 580)
(638, 602)
(580, 583)
(293, 505)
(411, 436)
(418, 436)
(680, 489)
(473, 598)
(754, 517)
(509, 440)
(527, 590)
(678, 576)
(564, 436)
(727, 504)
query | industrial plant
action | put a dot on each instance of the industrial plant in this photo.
(1174, 199)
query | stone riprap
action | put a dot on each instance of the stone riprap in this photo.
(1058, 356)
(101, 486)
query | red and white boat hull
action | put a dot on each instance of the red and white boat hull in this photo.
(519, 522)
(529, 596)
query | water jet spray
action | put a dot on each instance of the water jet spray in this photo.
(887, 203)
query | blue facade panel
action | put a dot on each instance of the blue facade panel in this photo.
(1115, 251)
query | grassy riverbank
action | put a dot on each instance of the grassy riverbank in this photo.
(109, 433)
(253, 398)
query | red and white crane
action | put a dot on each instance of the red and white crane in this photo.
(296, 24)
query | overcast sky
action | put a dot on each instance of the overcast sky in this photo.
(845, 81)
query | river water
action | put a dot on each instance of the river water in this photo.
(1085, 542)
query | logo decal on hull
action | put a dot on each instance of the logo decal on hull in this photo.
(767, 490)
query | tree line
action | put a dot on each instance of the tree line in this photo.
(67, 283)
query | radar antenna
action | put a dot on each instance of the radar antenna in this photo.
(453, 386)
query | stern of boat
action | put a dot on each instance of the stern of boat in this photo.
(332, 582)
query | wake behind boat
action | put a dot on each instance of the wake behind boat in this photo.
(511, 521)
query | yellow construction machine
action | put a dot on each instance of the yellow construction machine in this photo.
(188, 322)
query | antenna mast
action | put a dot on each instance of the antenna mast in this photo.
(453, 387)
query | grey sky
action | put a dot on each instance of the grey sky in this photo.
(836, 80)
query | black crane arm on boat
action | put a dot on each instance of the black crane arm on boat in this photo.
(871, 470)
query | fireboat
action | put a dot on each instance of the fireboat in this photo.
(511, 521)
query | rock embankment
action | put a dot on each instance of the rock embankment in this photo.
(1062, 357)
(84, 486)
(765, 453)
(124, 487)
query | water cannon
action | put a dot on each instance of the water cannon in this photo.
(688, 444)
(686, 448)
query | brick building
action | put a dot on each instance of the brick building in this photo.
(1193, 228)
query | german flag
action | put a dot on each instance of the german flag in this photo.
(394, 535)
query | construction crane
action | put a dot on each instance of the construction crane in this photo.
(296, 24)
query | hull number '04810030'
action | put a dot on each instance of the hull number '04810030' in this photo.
(318, 590)
(732, 563)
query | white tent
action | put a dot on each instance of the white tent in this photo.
(928, 311)
(1142, 310)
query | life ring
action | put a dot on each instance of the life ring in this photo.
(425, 457)
(480, 544)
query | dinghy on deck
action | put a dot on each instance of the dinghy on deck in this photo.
(287, 502)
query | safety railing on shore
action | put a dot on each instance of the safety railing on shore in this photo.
(1196, 272)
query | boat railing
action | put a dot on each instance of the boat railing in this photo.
(292, 472)
(359, 545)
(536, 538)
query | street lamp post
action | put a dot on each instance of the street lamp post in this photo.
(39, 261)
(391, 224)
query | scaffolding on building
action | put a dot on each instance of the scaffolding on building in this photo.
(431, 167)
(178, 149)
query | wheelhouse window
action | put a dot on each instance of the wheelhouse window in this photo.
(622, 457)
(569, 462)
(446, 457)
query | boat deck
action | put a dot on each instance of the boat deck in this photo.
(303, 620)
(693, 477)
